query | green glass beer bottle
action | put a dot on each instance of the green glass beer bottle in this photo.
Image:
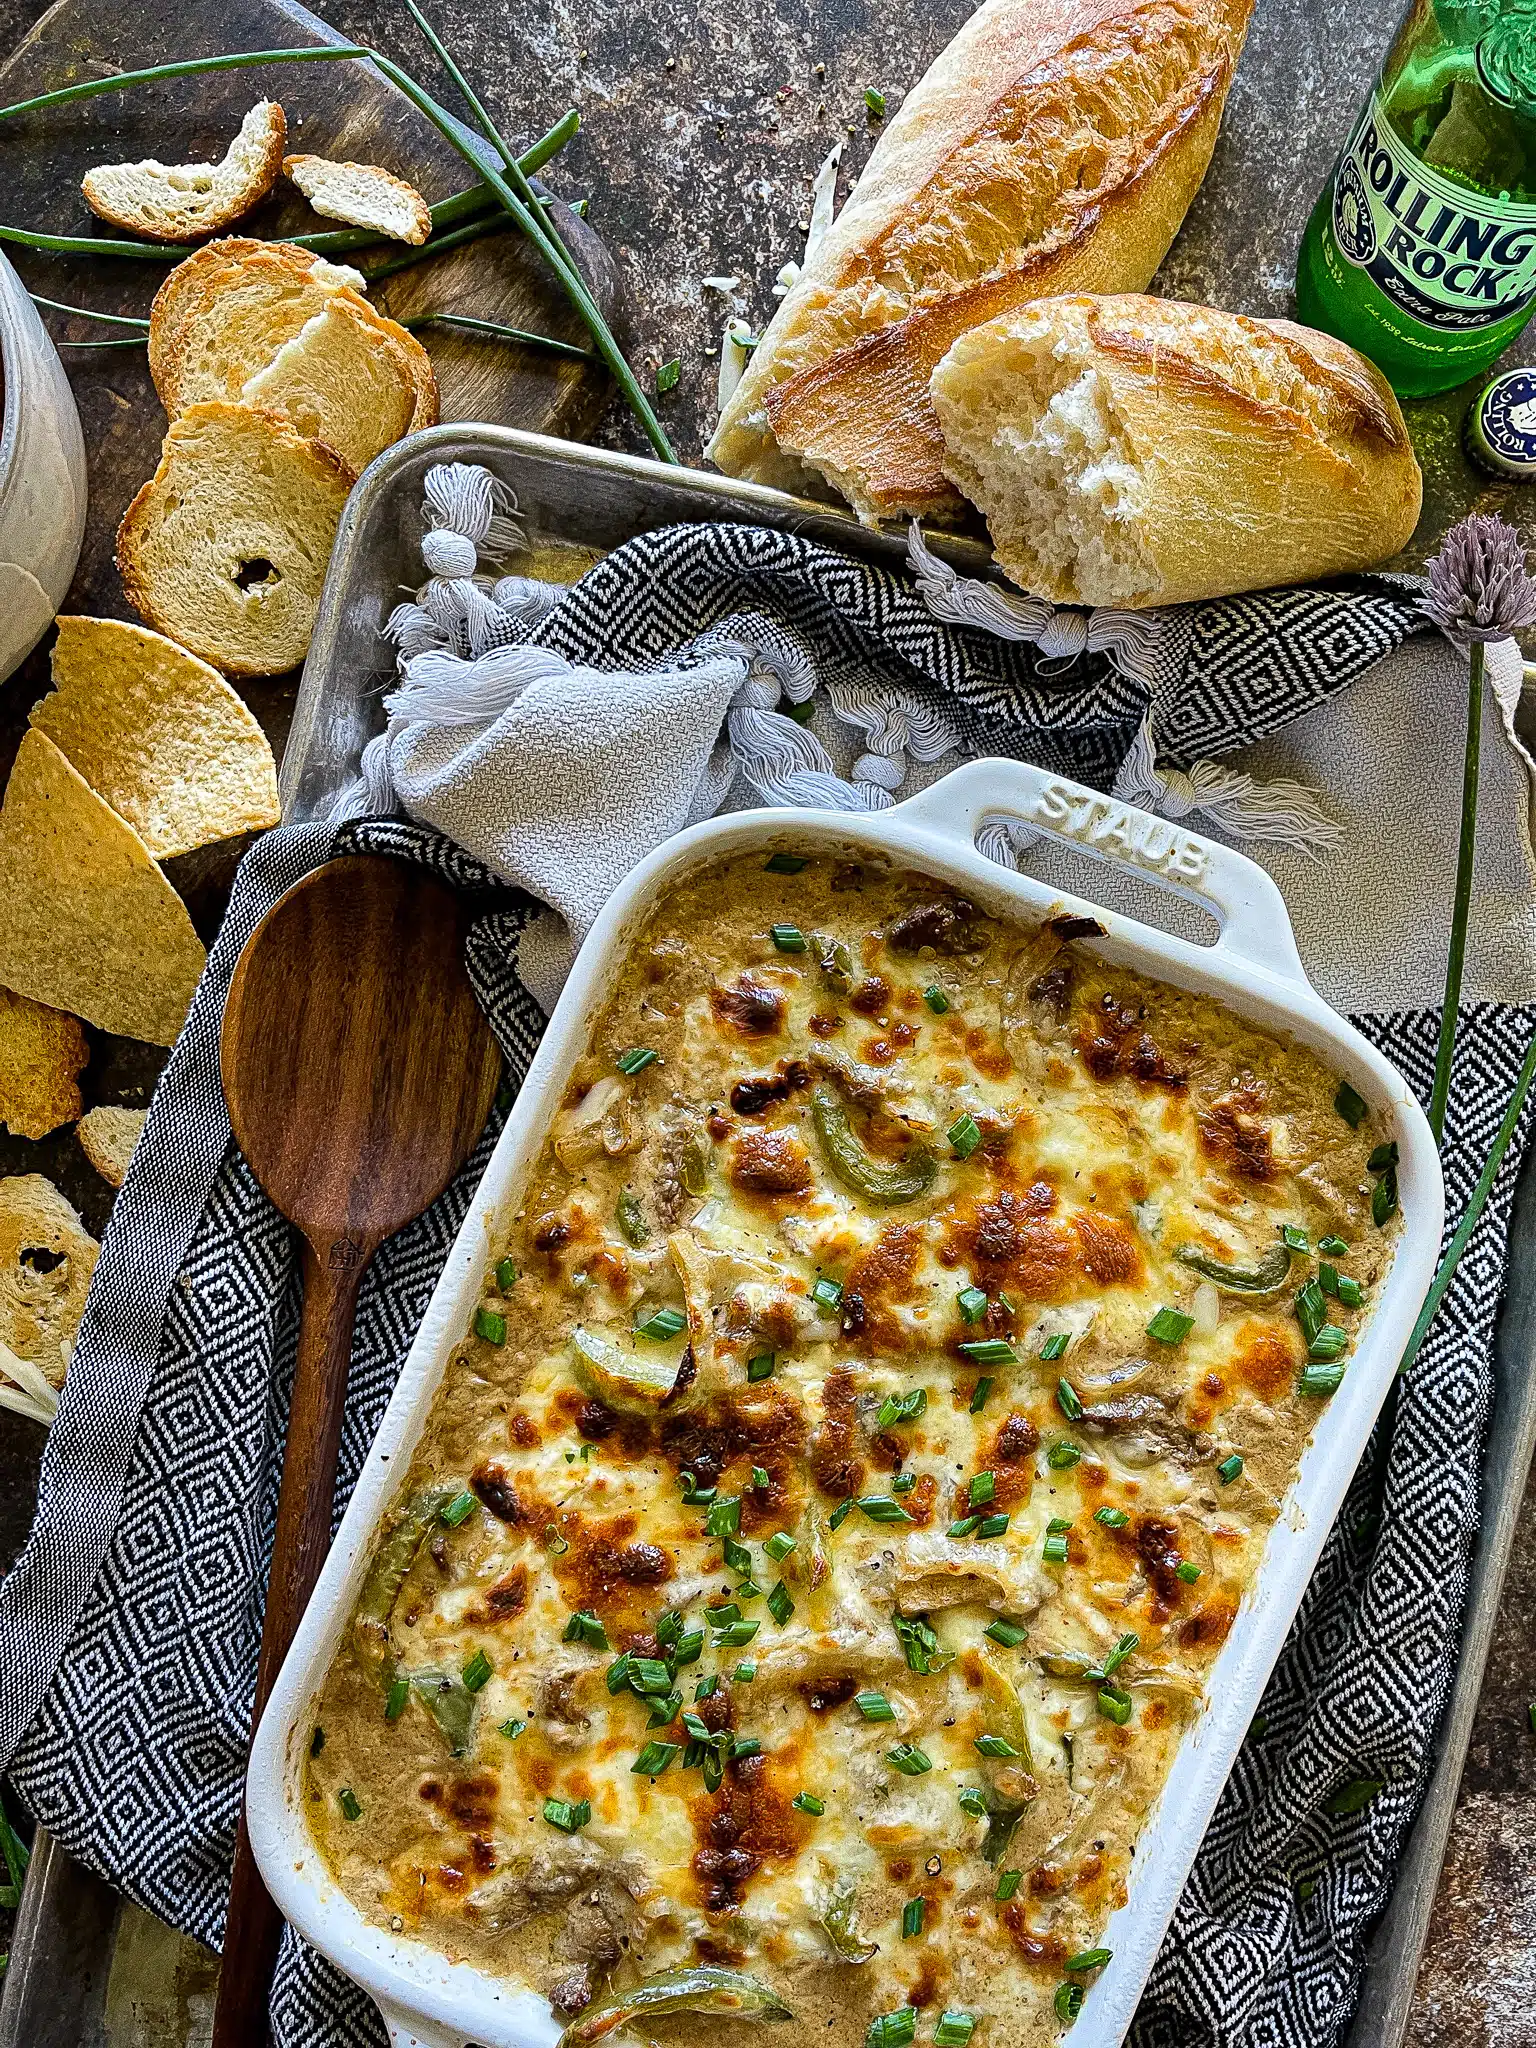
(1421, 250)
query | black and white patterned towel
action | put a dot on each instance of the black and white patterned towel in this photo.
(129, 1627)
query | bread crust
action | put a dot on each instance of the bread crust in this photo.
(1264, 453)
(260, 177)
(1054, 146)
(308, 172)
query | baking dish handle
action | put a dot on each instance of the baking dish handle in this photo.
(1255, 924)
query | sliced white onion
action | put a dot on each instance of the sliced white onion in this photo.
(1206, 1308)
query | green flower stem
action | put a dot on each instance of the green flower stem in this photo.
(89, 245)
(137, 341)
(1475, 1207)
(497, 331)
(1463, 899)
(525, 209)
(188, 67)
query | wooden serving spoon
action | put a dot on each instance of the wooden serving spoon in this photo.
(359, 1071)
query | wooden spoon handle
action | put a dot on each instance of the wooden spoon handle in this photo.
(253, 1926)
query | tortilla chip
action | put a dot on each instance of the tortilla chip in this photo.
(159, 734)
(41, 1054)
(47, 1257)
(107, 1138)
(89, 923)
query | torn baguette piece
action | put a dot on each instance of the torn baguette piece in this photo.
(180, 202)
(349, 378)
(1054, 146)
(1135, 451)
(363, 194)
(223, 314)
(225, 549)
(108, 1136)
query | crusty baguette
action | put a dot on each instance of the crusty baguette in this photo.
(363, 194)
(224, 313)
(225, 549)
(179, 202)
(1136, 451)
(1053, 146)
(351, 380)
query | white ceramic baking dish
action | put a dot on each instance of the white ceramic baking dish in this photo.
(429, 2001)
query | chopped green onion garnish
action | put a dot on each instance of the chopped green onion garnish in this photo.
(1311, 1310)
(1111, 1518)
(669, 1627)
(761, 1367)
(784, 864)
(737, 1556)
(972, 1303)
(788, 938)
(983, 1388)
(1349, 1291)
(724, 1517)
(395, 1700)
(1054, 1549)
(1187, 1570)
(892, 2029)
(807, 1802)
(779, 1545)
(1068, 2001)
(584, 1627)
(637, 1059)
(1330, 1342)
(781, 1603)
(907, 1758)
(655, 1758)
(1117, 1656)
(901, 1408)
(991, 1351)
(840, 1514)
(880, 1507)
(1067, 1401)
(1294, 1238)
(723, 1614)
(1088, 1959)
(746, 1745)
(972, 1801)
(1008, 1883)
(346, 1799)
(459, 1509)
(745, 1671)
(506, 1275)
(966, 1526)
(954, 2030)
(1008, 1633)
(1334, 1246)
(569, 1819)
(1062, 1454)
(1355, 1796)
(991, 1525)
(1170, 1326)
(983, 1488)
(694, 1495)
(1054, 1347)
(936, 999)
(511, 1729)
(828, 1296)
(912, 1919)
(761, 1479)
(874, 1706)
(965, 1135)
(737, 1635)
(1115, 1705)
(1383, 1158)
(874, 100)
(1350, 1106)
(1321, 1378)
(664, 1710)
(1229, 1469)
(749, 1590)
(995, 1745)
(1328, 1278)
(903, 1482)
(476, 1672)
(1383, 1199)
(666, 1322)
(668, 374)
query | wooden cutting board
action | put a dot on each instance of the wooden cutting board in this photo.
(343, 109)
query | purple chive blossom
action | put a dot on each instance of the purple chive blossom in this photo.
(1478, 586)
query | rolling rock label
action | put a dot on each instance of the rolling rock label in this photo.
(1443, 254)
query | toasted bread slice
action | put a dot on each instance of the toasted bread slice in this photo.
(224, 313)
(108, 1136)
(225, 548)
(350, 379)
(363, 194)
(42, 1299)
(180, 202)
(42, 1054)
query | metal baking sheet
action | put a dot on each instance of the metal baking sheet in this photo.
(576, 503)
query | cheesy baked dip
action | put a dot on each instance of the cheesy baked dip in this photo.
(871, 1425)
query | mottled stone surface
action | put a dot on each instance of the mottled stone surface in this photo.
(703, 124)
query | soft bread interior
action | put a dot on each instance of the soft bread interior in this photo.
(1035, 440)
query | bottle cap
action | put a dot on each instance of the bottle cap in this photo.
(1499, 433)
